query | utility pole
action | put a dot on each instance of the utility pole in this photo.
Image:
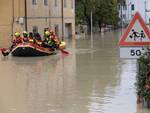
(145, 11)
(92, 25)
(62, 12)
(129, 11)
(26, 22)
(91, 29)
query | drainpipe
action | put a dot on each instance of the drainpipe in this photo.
(62, 9)
(49, 15)
(26, 28)
(12, 24)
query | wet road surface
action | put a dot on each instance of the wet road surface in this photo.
(89, 80)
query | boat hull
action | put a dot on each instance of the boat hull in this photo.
(27, 50)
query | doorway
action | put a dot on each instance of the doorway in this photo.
(68, 30)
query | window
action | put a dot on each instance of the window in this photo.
(65, 3)
(132, 7)
(35, 29)
(46, 2)
(55, 3)
(124, 16)
(124, 7)
(72, 4)
(34, 2)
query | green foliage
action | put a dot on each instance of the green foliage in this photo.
(143, 75)
(79, 13)
(107, 12)
(104, 11)
(146, 94)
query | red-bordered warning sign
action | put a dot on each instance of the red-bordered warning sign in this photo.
(137, 33)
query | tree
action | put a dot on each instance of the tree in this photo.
(107, 13)
(120, 1)
(104, 12)
(143, 78)
(83, 9)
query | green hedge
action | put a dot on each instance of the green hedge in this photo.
(143, 76)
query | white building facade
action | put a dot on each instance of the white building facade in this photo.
(129, 7)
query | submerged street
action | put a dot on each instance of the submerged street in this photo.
(89, 80)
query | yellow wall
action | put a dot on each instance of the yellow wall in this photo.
(5, 22)
(6, 19)
(38, 15)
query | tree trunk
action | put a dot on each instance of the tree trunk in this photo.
(100, 26)
(89, 24)
(88, 20)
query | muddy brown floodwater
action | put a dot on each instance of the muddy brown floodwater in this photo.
(89, 80)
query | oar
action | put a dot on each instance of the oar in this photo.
(62, 46)
(64, 52)
(5, 51)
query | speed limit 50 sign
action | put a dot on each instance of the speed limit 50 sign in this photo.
(136, 36)
(131, 52)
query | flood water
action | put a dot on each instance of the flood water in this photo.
(89, 80)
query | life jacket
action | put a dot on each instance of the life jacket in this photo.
(39, 43)
(18, 40)
(31, 40)
(25, 39)
(48, 42)
(37, 36)
(54, 39)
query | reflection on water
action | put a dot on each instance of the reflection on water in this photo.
(87, 81)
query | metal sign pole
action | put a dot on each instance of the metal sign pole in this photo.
(91, 30)
(145, 11)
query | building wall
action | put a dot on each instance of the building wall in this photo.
(140, 6)
(19, 12)
(37, 15)
(10, 11)
(50, 16)
(5, 22)
(69, 15)
(123, 13)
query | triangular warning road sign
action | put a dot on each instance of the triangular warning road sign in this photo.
(137, 33)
